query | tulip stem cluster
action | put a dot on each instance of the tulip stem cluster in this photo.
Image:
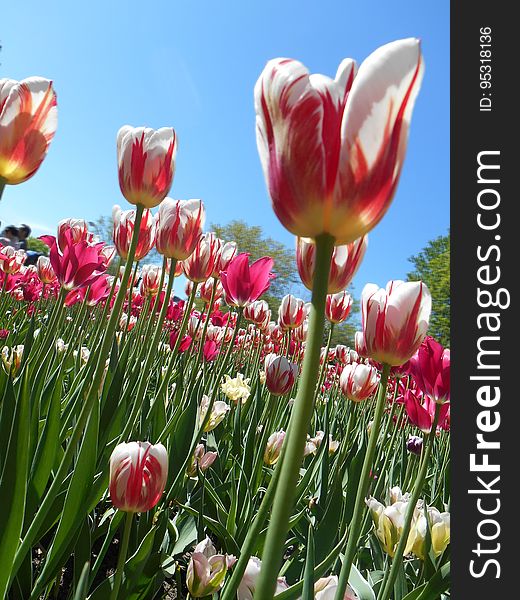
(299, 425)
(355, 523)
(387, 586)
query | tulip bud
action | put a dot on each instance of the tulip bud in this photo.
(138, 473)
(280, 374)
(358, 382)
(124, 228)
(217, 415)
(207, 570)
(146, 163)
(395, 320)
(337, 308)
(12, 359)
(28, 121)
(179, 227)
(414, 444)
(291, 312)
(274, 447)
(246, 589)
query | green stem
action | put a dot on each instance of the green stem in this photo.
(398, 557)
(123, 550)
(300, 420)
(359, 506)
(2, 186)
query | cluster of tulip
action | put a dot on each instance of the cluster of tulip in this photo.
(227, 427)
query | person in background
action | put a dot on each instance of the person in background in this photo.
(24, 231)
(9, 237)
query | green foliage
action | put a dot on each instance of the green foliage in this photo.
(251, 239)
(432, 265)
(37, 245)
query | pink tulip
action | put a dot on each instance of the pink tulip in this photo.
(244, 283)
(395, 321)
(344, 263)
(97, 292)
(206, 290)
(332, 150)
(337, 307)
(280, 374)
(227, 253)
(358, 381)
(210, 350)
(146, 163)
(179, 227)
(421, 412)
(78, 264)
(430, 368)
(138, 473)
(124, 228)
(28, 121)
(345, 355)
(207, 569)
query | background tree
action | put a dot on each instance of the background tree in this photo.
(37, 245)
(432, 265)
(251, 239)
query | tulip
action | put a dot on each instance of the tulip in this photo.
(206, 290)
(11, 260)
(389, 522)
(179, 227)
(244, 283)
(217, 415)
(291, 312)
(138, 473)
(124, 228)
(45, 270)
(227, 253)
(325, 589)
(236, 389)
(146, 163)
(280, 374)
(28, 121)
(422, 413)
(258, 312)
(395, 320)
(247, 586)
(345, 355)
(210, 350)
(430, 368)
(201, 460)
(151, 280)
(78, 229)
(207, 570)
(78, 264)
(414, 444)
(439, 525)
(338, 306)
(274, 447)
(200, 264)
(344, 263)
(332, 150)
(12, 359)
(358, 381)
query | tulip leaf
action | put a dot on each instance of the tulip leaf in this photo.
(75, 506)
(82, 587)
(308, 575)
(360, 585)
(13, 479)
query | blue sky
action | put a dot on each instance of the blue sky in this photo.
(193, 66)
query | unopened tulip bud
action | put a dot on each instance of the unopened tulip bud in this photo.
(146, 163)
(358, 382)
(207, 570)
(274, 447)
(414, 444)
(280, 374)
(12, 359)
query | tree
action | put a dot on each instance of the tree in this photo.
(432, 265)
(37, 245)
(251, 239)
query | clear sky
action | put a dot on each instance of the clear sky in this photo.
(193, 66)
